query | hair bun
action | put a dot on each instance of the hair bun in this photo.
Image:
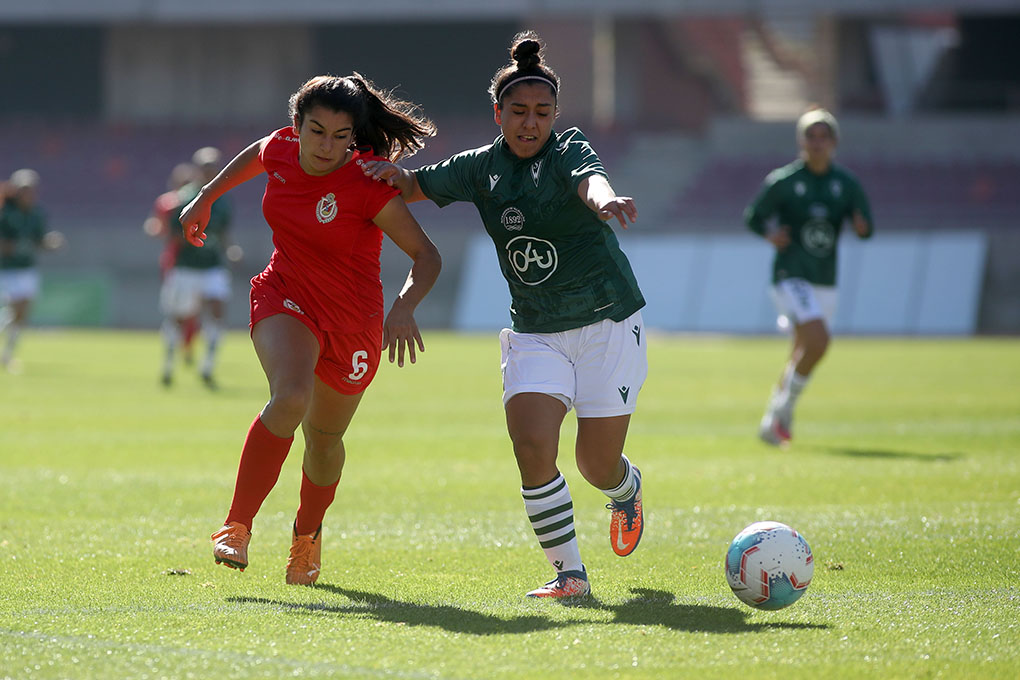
(525, 53)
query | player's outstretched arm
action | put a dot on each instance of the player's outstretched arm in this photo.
(598, 194)
(396, 176)
(195, 216)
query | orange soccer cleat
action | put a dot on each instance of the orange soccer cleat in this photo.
(627, 522)
(566, 584)
(230, 545)
(305, 559)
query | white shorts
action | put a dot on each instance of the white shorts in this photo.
(19, 284)
(799, 301)
(597, 370)
(184, 289)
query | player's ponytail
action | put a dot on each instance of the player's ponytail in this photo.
(392, 127)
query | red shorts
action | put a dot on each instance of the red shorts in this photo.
(347, 361)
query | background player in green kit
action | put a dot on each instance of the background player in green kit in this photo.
(22, 234)
(578, 338)
(199, 280)
(800, 210)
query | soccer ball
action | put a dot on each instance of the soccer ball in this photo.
(769, 565)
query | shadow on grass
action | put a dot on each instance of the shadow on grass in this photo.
(448, 617)
(648, 608)
(893, 455)
(659, 608)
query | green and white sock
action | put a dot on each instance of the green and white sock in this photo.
(551, 512)
(626, 488)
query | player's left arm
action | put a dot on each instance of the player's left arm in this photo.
(400, 330)
(598, 194)
(48, 239)
(860, 215)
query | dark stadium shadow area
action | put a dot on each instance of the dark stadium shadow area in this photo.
(659, 608)
(381, 608)
(889, 454)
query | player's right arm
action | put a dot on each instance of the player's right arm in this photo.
(195, 216)
(762, 209)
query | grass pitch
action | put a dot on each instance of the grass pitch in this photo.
(904, 477)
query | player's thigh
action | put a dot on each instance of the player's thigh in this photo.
(535, 363)
(181, 293)
(19, 285)
(349, 361)
(611, 368)
(533, 421)
(801, 301)
(216, 284)
(329, 415)
(288, 351)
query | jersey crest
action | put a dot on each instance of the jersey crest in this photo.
(326, 209)
(512, 219)
(818, 237)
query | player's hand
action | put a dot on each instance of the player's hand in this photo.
(861, 225)
(194, 218)
(780, 238)
(400, 332)
(382, 171)
(620, 207)
(53, 240)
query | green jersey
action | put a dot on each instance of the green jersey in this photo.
(211, 254)
(21, 233)
(814, 208)
(562, 263)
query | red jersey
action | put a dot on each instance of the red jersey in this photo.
(327, 248)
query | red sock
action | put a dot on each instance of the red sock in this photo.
(261, 460)
(315, 500)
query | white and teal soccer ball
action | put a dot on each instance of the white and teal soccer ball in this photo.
(769, 565)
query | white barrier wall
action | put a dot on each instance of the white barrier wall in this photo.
(897, 283)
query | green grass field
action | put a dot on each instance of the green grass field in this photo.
(904, 477)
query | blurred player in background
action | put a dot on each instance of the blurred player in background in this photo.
(578, 338)
(800, 210)
(22, 234)
(199, 280)
(317, 309)
(162, 223)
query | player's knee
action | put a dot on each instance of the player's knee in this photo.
(290, 402)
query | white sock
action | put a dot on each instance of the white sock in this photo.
(551, 512)
(793, 385)
(13, 332)
(212, 330)
(171, 336)
(628, 487)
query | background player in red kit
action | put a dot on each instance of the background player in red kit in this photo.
(317, 309)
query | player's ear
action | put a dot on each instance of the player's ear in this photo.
(296, 125)
(497, 114)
